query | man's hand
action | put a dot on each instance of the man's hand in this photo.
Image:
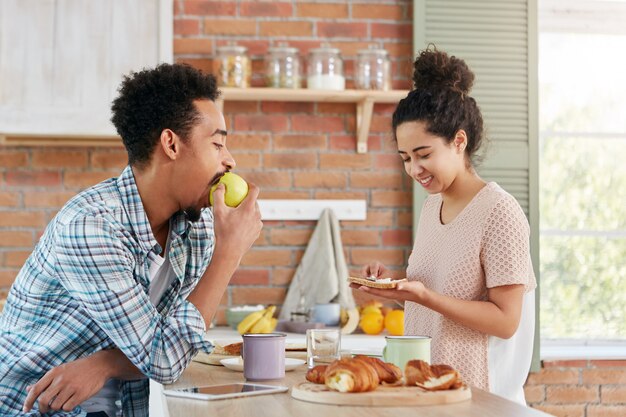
(68, 385)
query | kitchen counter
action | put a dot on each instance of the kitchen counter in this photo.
(482, 404)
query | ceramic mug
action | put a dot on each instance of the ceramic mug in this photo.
(401, 349)
(263, 356)
(329, 314)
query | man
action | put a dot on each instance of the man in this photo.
(128, 275)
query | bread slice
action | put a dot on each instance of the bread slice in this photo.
(376, 284)
(234, 349)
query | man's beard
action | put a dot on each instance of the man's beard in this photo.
(193, 214)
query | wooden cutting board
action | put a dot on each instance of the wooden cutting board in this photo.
(382, 396)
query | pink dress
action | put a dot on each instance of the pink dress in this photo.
(485, 246)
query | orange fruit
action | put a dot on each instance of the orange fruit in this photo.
(372, 323)
(394, 322)
(371, 310)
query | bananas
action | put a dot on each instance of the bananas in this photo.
(258, 322)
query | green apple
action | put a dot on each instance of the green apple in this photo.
(236, 189)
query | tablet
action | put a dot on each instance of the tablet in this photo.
(219, 392)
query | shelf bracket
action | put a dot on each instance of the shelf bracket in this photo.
(364, 110)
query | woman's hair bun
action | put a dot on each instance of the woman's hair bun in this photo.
(435, 69)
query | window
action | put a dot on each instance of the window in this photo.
(582, 154)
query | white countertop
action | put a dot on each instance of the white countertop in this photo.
(354, 343)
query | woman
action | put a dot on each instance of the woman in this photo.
(470, 278)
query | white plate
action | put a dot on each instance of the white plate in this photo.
(236, 364)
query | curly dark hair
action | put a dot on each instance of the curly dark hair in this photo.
(155, 99)
(441, 99)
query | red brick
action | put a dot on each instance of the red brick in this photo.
(375, 219)
(377, 11)
(272, 123)
(248, 142)
(294, 161)
(534, 393)
(553, 376)
(563, 410)
(202, 64)
(320, 179)
(267, 258)
(392, 199)
(109, 160)
(331, 11)
(340, 195)
(282, 276)
(210, 8)
(392, 30)
(186, 27)
(241, 107)
(282, 142)
(284, 195)
(606, 410)
(604, 376)
(392, 162)
(22, 219)
(375, 179)
(285, 29)
(85, 179)
(33, 178)
(229, 27)
(263, 9)
(9, 199)
(351, 49)
(341, 30)
(13, 159)
(571, 394)
(11, 239)
(397, 238)
(47, 198)
(7, 276)
(351, 161)
(270, 179)
(304, 46)
(336, 108)
(613, 394)
(290, 237)
(255, 47)
(399, 49)
(250, 277)
(286, 107)
(322, 124)
(244, 295)
(386, 256)
(609, 364)
(360, 237)
(247, 160)
(405, 219)
(16, 258)
(192, 46)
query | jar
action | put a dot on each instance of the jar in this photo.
(282, 67)
(234, 68)
(373, 70)
(325, 69)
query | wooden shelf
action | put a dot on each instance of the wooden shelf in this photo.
(364, 100)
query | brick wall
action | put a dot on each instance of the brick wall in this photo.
(579, 388)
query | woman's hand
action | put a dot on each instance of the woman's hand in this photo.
(375, 269)
(413, 291)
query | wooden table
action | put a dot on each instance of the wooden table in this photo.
(482, 404)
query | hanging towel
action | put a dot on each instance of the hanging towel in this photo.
(322, 276)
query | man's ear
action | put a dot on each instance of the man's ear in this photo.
(170, 144)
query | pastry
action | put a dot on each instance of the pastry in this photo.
(388, 373)
(351, 375)
(316, 374)
(431, 377)
(384, 283)
(234, 349)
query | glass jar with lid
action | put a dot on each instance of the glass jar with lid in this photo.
(234, 68)
(373, 70)
(282, 67)
(325, 69)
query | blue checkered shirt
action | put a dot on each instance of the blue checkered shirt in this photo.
(85, 288)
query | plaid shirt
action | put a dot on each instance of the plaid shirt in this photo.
(85, 288)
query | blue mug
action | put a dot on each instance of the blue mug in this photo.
(329, 314)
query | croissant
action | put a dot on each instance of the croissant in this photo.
(316, 374)
(387, 372)
(431, 378)
(351, 375)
